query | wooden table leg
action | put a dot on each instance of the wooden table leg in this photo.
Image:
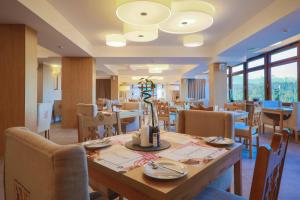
(281, 122)
(238, 178)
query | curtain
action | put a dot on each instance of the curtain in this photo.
(196, 88)
(103, 88)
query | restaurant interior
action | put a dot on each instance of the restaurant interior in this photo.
(149, 99)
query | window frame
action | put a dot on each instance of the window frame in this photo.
(267, 69)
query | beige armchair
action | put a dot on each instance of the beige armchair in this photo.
(132, 123)
(205, 124)
(38, 169)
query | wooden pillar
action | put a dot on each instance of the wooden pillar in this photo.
(78, 86)
(217, 85)
(18, 78)
(114, 88)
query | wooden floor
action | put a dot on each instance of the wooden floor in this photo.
(290, 187)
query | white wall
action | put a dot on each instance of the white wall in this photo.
(46, 84)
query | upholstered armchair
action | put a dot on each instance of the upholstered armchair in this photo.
(293, 122)
(265, 119)
(44, 115)
(38, 169)
(206, 124)
(132, 123)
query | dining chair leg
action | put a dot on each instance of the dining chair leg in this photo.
(274, 129)
(296, 136)
(263, 128)
(250, 147)
(257, 142)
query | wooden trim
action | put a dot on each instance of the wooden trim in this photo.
(283, 62)
(298, 77)
(245, 81)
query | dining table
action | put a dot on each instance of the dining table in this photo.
(122, 170)
(281, 111)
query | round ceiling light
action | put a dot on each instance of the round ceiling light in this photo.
(193, 40)
(115, 40)
(140, 33)
(143, 12)
(188, 16)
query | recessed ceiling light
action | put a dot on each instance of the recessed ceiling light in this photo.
(115, 40)
(155, 71)
(136, 78)
(193, 40)
(140, 33)
(188, 16)
(60, 47)
(146, 12)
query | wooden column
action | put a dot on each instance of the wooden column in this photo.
(78, 86)
(18, 78)
(114, 88)
(217, 85)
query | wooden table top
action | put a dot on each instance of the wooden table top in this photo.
(133, 184)
(278, 109)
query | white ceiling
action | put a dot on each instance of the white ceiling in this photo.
(97, 18)
(79, 26)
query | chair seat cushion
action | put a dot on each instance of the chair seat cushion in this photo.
(243, 130)
(215, 194)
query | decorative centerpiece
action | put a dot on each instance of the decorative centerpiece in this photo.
(148, 138)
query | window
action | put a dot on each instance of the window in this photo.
(256, 63)
(290, 53)
(256, 85)
(238, 68)
(238, 87)
(284, 82)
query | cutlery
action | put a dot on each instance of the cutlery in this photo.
(157, 165)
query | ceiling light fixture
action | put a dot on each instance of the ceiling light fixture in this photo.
(143, 12)
(193, 40)
(136, 78)
(155, 71)
(115, 40)
(140, 33)
(188, 16)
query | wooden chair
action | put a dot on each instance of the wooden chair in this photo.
(163, 113)
(202, 107)
(235, 106)
(267, 173)
(251, 130)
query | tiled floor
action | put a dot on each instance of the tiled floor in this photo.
(290, 187)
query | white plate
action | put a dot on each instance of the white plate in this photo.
(218, 140)
(97, 144)
(163, 173)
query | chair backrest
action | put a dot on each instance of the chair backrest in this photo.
(271, 104)
(57, 109)
(255, 116)
(162, 109)
(44, 116)
(131, 106)
(36, 168)
(235, 106)
(268, 168)
(88, 110)
(205, 123)
(202, 107)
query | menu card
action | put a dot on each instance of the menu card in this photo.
(119, 158)
(192, 151)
